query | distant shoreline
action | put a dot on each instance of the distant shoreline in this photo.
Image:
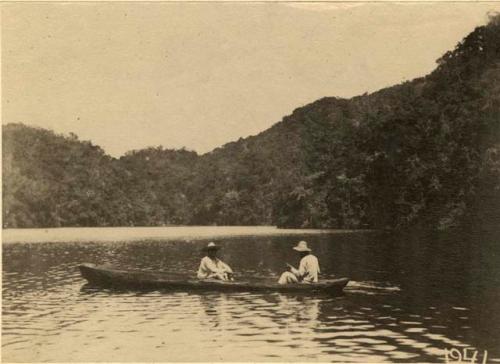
(187, 233)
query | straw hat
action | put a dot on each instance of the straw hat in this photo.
(211, 246)
(302, 247)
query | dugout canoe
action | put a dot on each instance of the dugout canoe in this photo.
(105, 276)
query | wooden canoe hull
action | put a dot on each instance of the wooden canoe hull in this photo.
(136, 279)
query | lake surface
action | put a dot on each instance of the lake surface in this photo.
(410, 298)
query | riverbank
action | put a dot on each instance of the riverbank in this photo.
(108, 234)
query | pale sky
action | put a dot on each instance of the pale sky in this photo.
(198, 75)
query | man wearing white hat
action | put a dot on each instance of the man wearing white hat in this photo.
(308, 268)
(213, 267)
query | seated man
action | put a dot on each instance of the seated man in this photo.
(308, 268)
(213, 267)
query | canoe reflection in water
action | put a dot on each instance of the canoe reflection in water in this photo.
(260, 312)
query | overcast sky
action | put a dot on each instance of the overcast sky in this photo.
(132, 75)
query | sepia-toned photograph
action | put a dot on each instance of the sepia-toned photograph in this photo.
(250, 182)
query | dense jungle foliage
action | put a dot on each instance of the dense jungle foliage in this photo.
(423, 153)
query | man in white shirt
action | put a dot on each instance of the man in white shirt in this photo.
(213, 267)
(308, 269)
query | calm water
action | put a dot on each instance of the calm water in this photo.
(410, 298)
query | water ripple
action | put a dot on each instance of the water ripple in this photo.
(47, 309)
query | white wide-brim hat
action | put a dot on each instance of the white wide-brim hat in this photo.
(302, 247)
(211, 246)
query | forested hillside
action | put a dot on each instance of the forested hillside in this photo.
(426, 152)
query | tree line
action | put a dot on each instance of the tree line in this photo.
(426, 152)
